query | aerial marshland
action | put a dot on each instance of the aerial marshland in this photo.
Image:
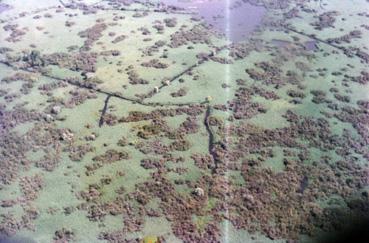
(183, 121)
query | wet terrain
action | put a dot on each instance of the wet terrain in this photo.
(234, 19)
(183, 121)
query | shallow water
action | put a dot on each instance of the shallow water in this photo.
(4, 7)
(233, 18)
(4, 239)
(311, 45)
(132, 121)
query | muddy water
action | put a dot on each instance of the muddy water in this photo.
(235, 19)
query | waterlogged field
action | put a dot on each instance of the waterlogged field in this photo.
(183, 121)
